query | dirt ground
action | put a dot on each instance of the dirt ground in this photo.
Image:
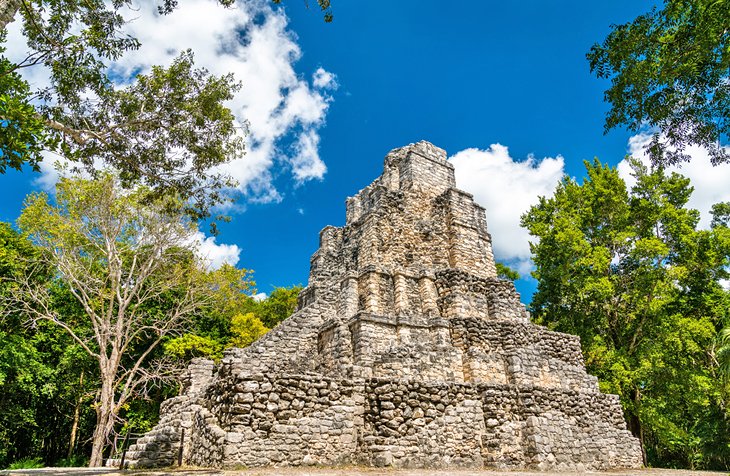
(344, 471)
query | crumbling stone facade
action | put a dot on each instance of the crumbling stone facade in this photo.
(406, 350)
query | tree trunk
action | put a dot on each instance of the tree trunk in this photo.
(104, 423)
(637, 429)
(8, 10)
(77, 415)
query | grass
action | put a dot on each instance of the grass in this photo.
(27, 463)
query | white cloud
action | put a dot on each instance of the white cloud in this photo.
(507, 188)
(711, 183)
(324, 79)
(252, 41)
(259, 296)
(51, 171)
(215, 255)
(306, 164)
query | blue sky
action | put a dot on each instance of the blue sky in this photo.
(326, 102)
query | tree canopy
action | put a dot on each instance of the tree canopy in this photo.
(629, 272)
(670, 70)
(168, 129)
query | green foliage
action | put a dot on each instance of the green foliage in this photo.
(232, 317)
(189, 346)
(669, 69)
(73, 39)
(22, 133)
(231, 290)
(123, 282)
(167, 129)
(27, 463)
(246, 329)
(75, 461)
(184, 135)
(39, 368)
(721, 215)
(630, 274)
(723, 354)
(505, 272)
(277, 306)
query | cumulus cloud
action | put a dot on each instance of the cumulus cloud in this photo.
(259, 297)
(711, 183)
(282, 110)
(324, 79)
(507, 188)
(306, 163)
(215, 255)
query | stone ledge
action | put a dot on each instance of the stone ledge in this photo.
(399, 321)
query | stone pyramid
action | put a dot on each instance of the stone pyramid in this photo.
(406, 350)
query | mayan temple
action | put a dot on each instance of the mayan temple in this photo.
(406, 350)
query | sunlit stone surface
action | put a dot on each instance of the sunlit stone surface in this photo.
(406, 350)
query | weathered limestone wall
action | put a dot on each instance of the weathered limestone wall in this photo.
(406, 350)
(290, 420)
(291, 346)
(552, 429)
(415, 424)
(520, 353)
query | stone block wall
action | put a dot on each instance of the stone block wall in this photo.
(290, 346)
(520, 353)
(285, 420)
(463, 294)
(160, 446)
(416, 424)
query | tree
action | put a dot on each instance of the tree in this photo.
(168, 130)
(629, 272)
(246, 329)
(280, 304)
(723, 353)
(45, 378)
(505, 272)
(669, 69)
(129, 263)
(232, 318)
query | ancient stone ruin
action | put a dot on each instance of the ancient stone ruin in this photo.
(406, 350)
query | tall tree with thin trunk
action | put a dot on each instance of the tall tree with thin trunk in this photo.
(130, 263)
